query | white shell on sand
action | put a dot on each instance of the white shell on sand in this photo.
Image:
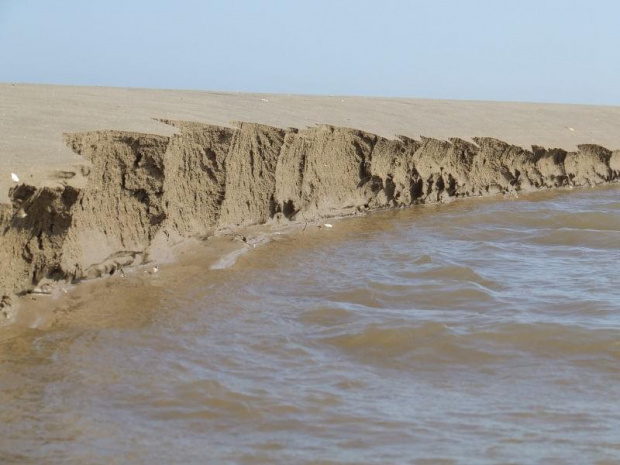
(14, 177)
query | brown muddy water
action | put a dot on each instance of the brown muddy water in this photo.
(483, 331)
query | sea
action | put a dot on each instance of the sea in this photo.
(483, 331)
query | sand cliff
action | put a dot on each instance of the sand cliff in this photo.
(144, 189)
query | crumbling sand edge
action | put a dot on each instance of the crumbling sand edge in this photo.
(147, 192)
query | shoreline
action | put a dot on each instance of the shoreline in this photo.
(146, 193)
(217, 254)
(135, 196)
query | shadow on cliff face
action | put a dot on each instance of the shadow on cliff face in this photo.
(145, 190)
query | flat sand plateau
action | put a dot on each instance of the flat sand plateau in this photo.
(34, 117)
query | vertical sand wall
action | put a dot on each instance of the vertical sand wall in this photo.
(142, 188)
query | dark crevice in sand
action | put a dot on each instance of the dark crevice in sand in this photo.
(147, 191)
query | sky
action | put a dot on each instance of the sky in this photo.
(517, 50)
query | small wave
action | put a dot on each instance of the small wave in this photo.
(433, 291)
(217, 401)
(554, 340)
(582, 238)
(536, 218)
(394, 347)
(228, 260)
(451, 273)
(423, 260)
(327, 316)
(362, 296)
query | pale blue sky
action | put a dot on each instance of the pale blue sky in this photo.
(524, 50)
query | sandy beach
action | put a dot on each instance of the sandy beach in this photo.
(109, 178)
(34, 117)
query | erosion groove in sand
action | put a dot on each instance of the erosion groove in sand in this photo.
(146, 191)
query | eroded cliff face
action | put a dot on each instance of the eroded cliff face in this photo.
(145, 188)
(195, 178)
(324, 171)
(250, 175)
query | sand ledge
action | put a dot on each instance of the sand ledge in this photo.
(144, 192)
